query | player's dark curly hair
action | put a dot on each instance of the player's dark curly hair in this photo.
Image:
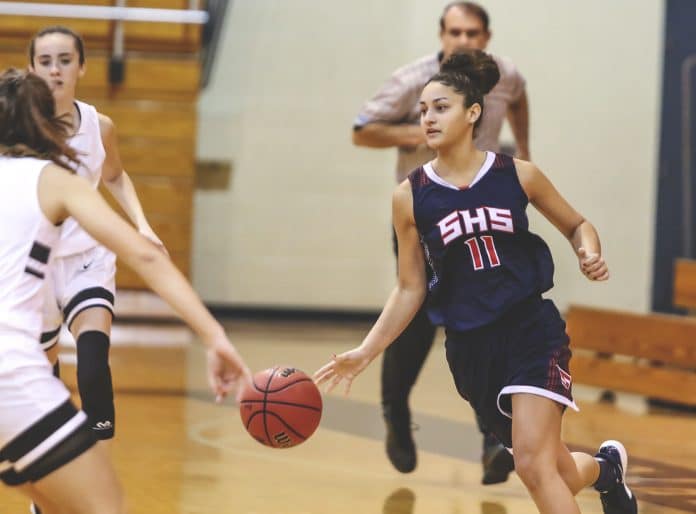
(471, 73)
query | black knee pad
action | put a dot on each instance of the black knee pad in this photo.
(94, 382)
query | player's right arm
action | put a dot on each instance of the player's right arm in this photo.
(62, 194)
(403, 303)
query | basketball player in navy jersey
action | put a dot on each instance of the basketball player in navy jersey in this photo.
(463, 213)
(47, 446)
(391, 118)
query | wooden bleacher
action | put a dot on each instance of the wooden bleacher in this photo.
(653, 354)
(154, 110)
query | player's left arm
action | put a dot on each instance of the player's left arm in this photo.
(120, 184)
(581, 233)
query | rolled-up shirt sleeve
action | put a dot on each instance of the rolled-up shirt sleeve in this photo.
(397, 103)
(391, 104)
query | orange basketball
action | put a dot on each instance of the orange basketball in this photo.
(281, 408)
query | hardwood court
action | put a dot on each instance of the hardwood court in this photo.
(178, 452)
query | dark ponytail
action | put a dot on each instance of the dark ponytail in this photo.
(28, 123)
(471, 73)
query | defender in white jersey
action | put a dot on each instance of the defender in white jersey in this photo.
(47, 448)
(80, 288)
(83, 275)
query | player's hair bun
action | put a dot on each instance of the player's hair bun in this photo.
(477, 65)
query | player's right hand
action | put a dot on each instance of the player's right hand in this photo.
(345, 366)
(227, 371)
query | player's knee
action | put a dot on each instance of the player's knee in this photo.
(531, 469)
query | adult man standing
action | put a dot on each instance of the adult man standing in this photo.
(391, 119)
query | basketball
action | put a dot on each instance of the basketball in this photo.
(281, 408)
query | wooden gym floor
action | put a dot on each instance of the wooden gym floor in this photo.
(176, 451)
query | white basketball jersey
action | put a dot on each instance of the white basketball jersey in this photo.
(26, 240)
(90, 151)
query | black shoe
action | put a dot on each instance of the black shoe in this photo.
(618, 499)
(400, 501)
(401, 449)
(497, 463)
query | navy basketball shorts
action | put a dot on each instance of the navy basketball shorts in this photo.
(524, 351)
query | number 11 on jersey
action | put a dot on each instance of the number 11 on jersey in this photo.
(476, 254)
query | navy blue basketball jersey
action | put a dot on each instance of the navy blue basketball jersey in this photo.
(482, 257)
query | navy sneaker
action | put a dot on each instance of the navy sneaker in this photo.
(617, 499)
(497, 463)
(400, 446)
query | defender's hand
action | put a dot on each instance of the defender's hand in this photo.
(227, 371)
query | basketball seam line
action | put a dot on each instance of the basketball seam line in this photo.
(276, 402)
(280, 388)
(265, 396)
(285, 423)
(248, 424)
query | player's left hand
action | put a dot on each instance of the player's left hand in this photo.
(592, 265)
